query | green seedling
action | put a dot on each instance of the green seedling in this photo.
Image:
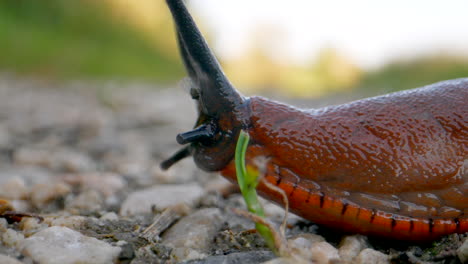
(248, 179)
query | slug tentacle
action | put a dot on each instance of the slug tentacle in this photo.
(179, 155)
(203, 132)
(221, 109)
(216, 92)
(394, 166)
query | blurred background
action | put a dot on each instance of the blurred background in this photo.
(297, 48)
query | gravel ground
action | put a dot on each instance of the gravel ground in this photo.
(79, 166)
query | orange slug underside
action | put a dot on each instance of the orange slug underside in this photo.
(394, 166)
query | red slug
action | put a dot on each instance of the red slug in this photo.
(393, 166)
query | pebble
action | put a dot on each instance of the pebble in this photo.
(4, 136)
(62, 159)
(286, 260)
(351, 246)
(106, 183)
(31, 225)
(161, 197)
(21, 205)
(43, 193)
(12, 238)
(29, 156)
(29, 174)
(3, 225)
(62, 245)
(324, 253)
(73, 222)
(251, 257)
(300, 245)
(183, 172)
(14, 189)
(109, 216)
(462, 251)
(87, 202)
(4, 259)
(192, 235)
(371, 256)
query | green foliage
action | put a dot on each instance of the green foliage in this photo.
(401, 75)
(248, 179)
(77, 39)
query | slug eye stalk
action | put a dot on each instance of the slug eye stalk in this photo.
(221, 109)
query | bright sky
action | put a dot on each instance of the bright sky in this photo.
(368, 31)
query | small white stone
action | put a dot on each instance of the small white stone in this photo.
(57, 245)
(14, 188)
(89, 201)
(4, 259)
(121, 243)
(306, 239)
(160, 196)
(4, 136)
(73, 222)
(110, 216)
(36, 157)
(324, 253)
(192, 235)
(371, 256)
(300, 245)
(282, 260)
(3, 224)
(21, 205)
(31, 224)
(350, 247)
(43, 193)
(462, 251)
(105, 183)
(186, 254)
(12, 238)
(183, 172)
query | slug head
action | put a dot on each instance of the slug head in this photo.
(221, 110)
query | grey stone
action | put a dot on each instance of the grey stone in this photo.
(462, 251)
(4, 259)
(371, 256)
(161, 197)
(351, 246)
(251, 257)
(61, 245)
(192, 236)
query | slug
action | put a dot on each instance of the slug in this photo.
(393, 166)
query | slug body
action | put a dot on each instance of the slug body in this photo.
(394, 166)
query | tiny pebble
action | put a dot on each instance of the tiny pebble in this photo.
(105, 183)
(110, 216)
(43, 193)
(73, 222)
(21, 205)
(160, 196)
(12, 238)
(351, 246)
(61, 245)
(371, 256)
(192, 235)
(324, 253)
(462, 251)
(87, 201)
(14, 188)
(4, 259)
(300, 245)
(3, 224)
(30, 224)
